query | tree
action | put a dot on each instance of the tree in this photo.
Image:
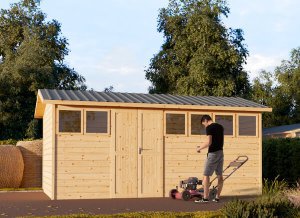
(265, 92)
(280, 90)
(199, 56)
(109, 89)
(288, 75)
(32, 53)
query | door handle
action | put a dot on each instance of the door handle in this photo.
(142, 149)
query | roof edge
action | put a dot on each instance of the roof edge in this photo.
(158, 106)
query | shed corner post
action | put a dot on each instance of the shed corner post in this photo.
(260, 153)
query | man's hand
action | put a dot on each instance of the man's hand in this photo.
(198, 149)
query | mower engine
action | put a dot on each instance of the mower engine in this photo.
(190, 184)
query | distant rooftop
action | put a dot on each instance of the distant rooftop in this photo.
(281, 129)
(93, 96)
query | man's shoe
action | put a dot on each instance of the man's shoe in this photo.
(203, 200)
(216, 200)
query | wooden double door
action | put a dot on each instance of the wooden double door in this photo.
(138, 153)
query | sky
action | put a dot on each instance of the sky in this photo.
(111, 42)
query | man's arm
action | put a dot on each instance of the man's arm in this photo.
(205, 144)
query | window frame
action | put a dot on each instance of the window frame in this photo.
(238, 125)
(96, 110)
(185, 127)
(233, 122)
(66, 108)
(190, 122)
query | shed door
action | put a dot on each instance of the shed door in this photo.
(150, 153)
(138, 153)
(126, 153)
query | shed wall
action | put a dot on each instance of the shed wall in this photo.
(48, 150)
(86, 162)
(83, 167)
(181, 162)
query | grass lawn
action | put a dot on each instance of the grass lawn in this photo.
(20, 189)
(200, 214)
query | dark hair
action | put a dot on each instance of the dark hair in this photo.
(205, 118)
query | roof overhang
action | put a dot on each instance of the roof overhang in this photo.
(39, 106)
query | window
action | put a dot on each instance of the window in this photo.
(96, 122)
(175, 123)
(227, 122)
(247, 125)
(196, 127)
(70, 121)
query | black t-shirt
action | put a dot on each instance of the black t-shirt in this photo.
(217, 132)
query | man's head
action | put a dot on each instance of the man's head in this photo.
(206, 120)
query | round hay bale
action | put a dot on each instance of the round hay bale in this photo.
(32, 156)
(11, 166)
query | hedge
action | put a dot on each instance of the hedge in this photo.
(281, 157)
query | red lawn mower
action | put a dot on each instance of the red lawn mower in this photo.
(189, 186)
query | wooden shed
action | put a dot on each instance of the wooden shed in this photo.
(125, 145)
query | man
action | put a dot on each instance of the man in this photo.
(215, 156)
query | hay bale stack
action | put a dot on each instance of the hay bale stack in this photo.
(32, 156)
(11, 166)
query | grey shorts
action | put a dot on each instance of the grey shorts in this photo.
(214, 162)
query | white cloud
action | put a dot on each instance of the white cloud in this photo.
(259, 62)
(119, 67)
(121, 61)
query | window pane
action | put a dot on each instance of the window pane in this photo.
(96, 122)
(175, 124)
(197, 127)
(69, 121)
(247, 125)
(227, 122)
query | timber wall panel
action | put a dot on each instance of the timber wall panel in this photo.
(83, 166)
(182, 161)
(48, 144)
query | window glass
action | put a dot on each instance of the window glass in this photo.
(96, 122)
(196, 127)
(69, 121)
(247, 125)
(175, 123)
(227, 122)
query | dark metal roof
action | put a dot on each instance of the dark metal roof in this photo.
(281, 129)
(75, 95)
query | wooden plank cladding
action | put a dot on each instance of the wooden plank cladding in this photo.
(83, 166)
(48, 151)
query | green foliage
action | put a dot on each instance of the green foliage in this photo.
(21, 189)
(280, 90)
(235, 209)
(200, 56)
(32, 51)
(281, 157)
(34, 129)
(8, 142)
(275, 187)
(288, 75)
(262, 207)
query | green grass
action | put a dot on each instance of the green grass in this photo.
(20, 189)
(200, 214)
(14, 141)
(275, 187)
(8, 142)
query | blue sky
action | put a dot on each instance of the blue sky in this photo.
(112, 42)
